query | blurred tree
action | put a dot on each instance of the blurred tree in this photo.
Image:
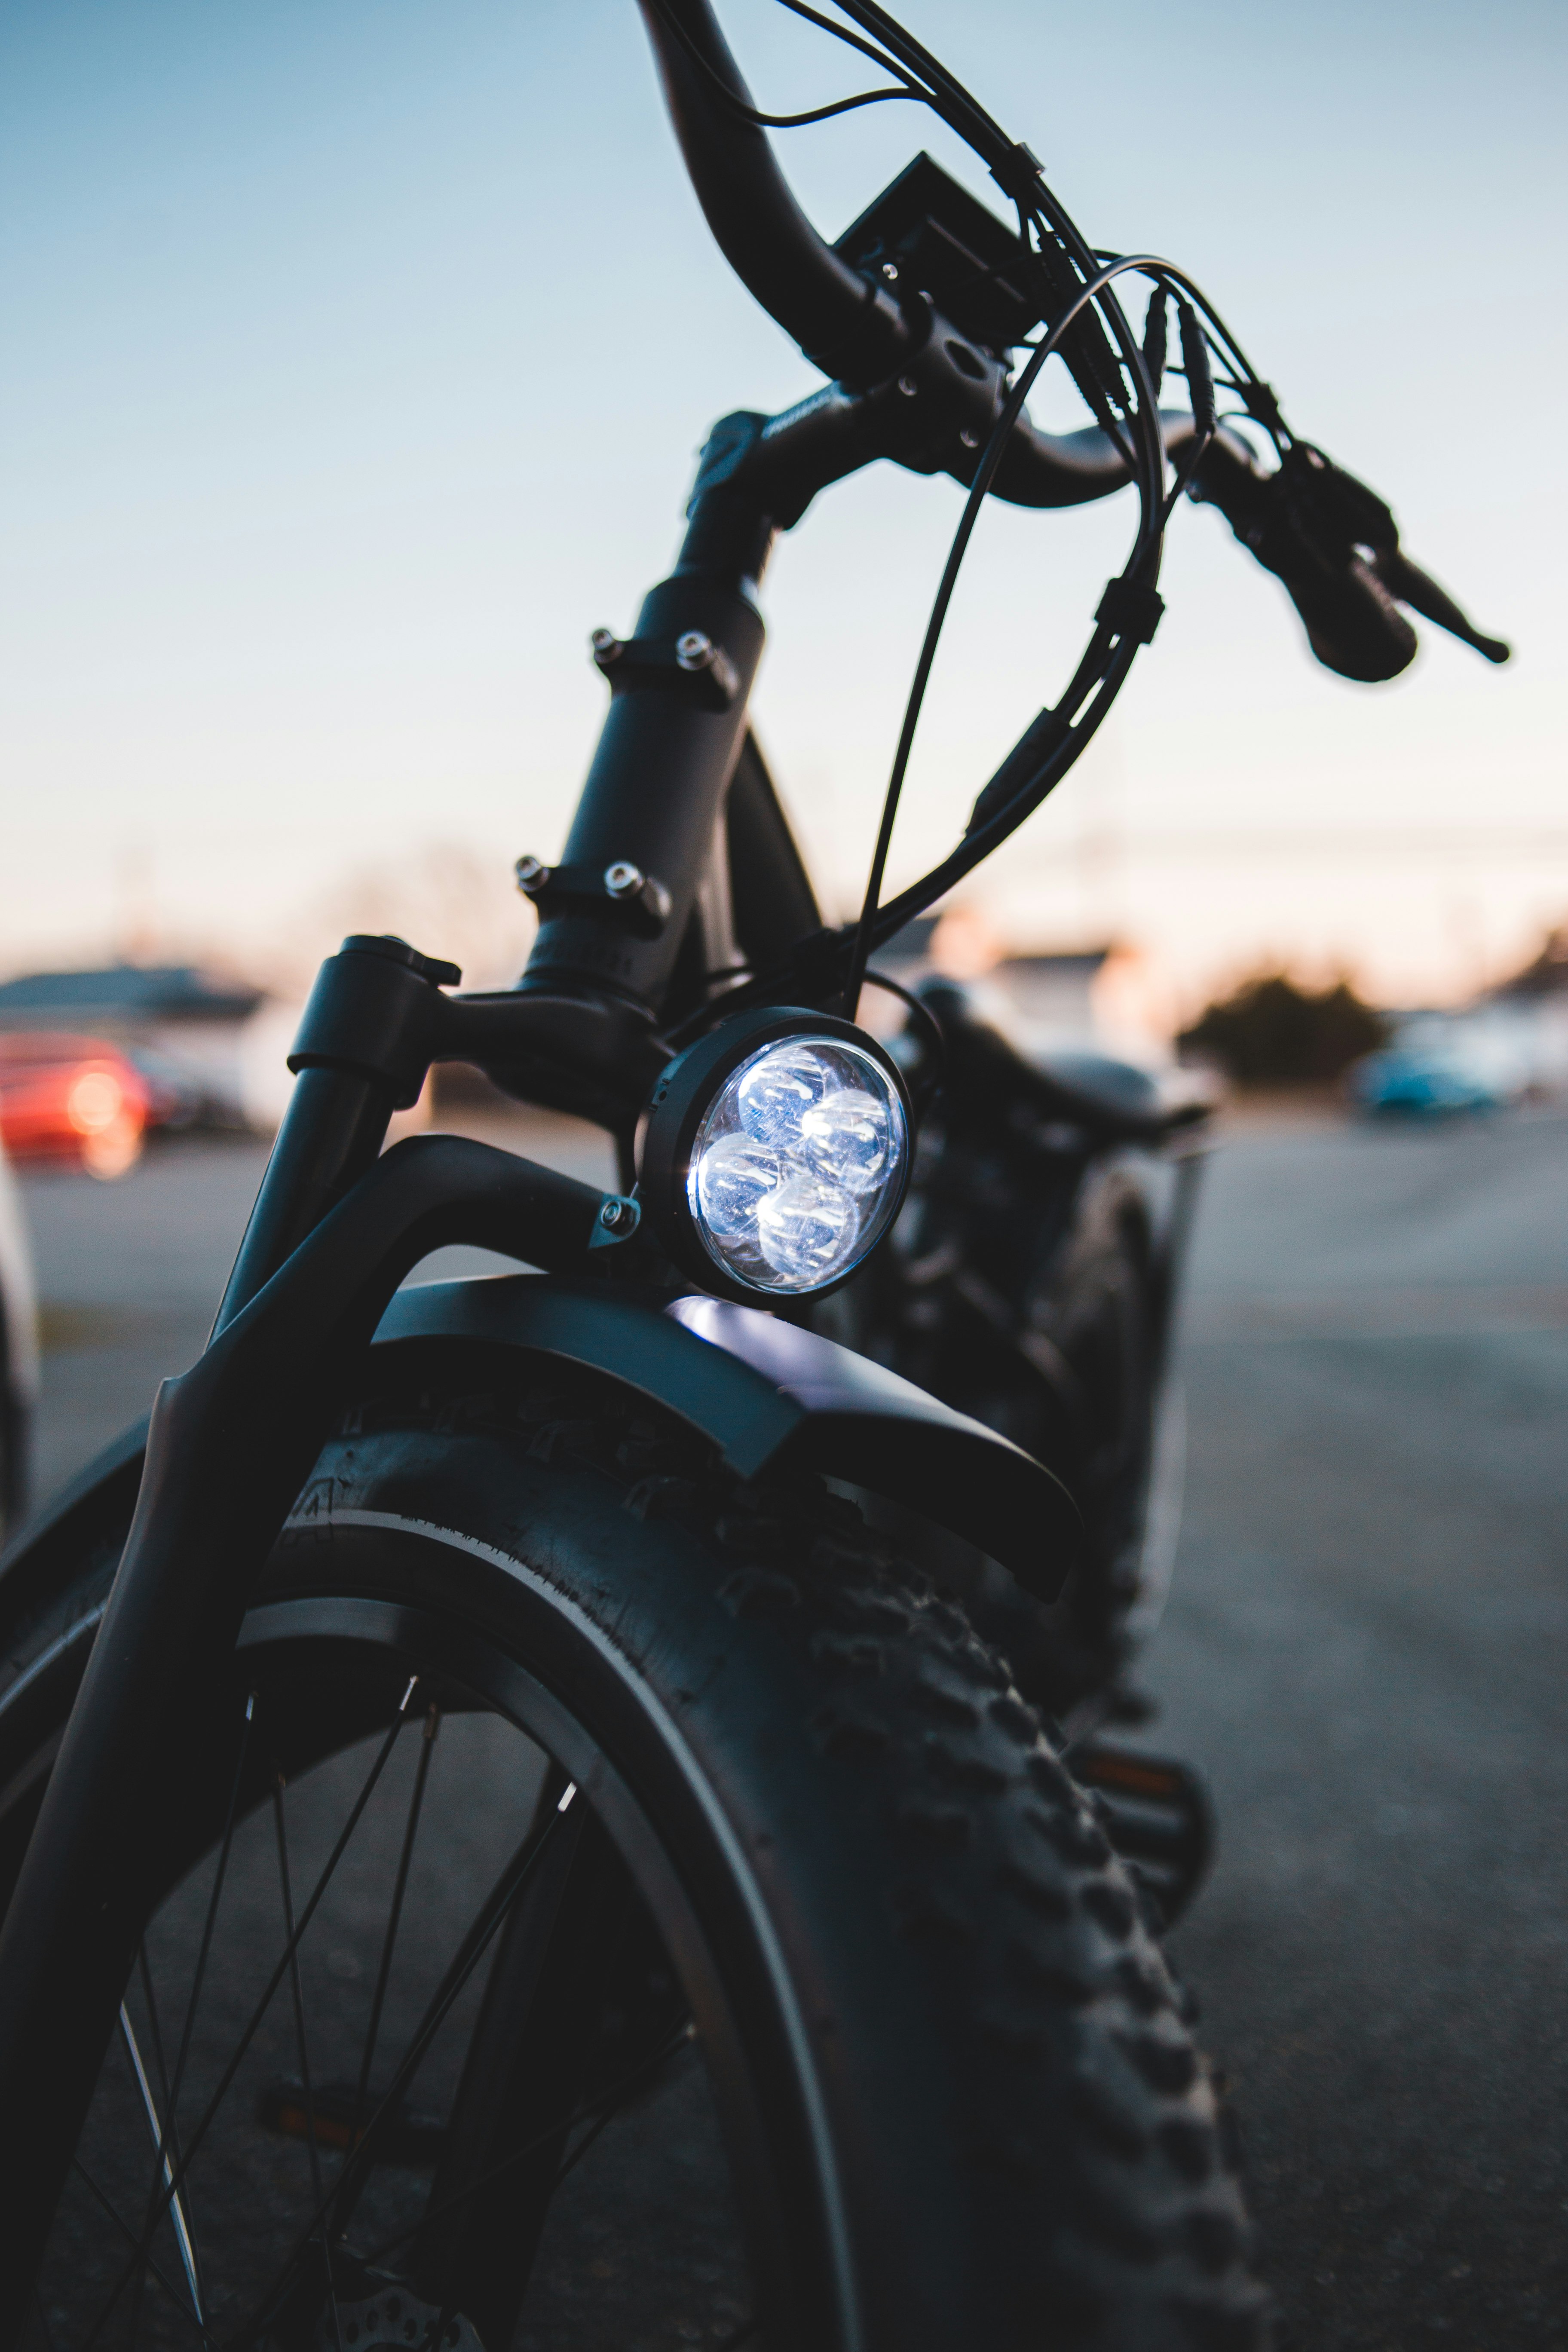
(1272, 1034)
(448, 898)
(1546, 975)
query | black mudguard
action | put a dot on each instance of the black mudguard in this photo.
(771, 1397)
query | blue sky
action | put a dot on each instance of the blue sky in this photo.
(357, 354)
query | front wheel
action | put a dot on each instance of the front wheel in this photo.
(642, 1913)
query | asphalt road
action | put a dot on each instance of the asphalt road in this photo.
(1364, 1650)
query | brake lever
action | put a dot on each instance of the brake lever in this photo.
(1421, 593)
(1335, 545)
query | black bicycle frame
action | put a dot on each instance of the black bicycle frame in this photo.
(336, 1225)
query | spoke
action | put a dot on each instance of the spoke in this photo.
(347, 2194)
(411, 1831)
(155, 2031)
(615, 2097)
(438, 2327)
(161, 2202)
(176, 2202)
(618, 2095)
(476, 1941)
(210, 1922)
(144, 2261)
(134, 2330)
(301, 2040)
(285, 1889)
(166, 2139)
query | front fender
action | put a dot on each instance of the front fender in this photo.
(772, 1397)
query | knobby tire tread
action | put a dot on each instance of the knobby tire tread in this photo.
(1082, 2130)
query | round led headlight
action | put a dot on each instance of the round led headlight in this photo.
(775, 1152)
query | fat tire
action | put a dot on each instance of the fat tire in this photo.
(1028, 2148)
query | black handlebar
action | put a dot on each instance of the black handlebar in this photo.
(1330, 541)
(844, 323)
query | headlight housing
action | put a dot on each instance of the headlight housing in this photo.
(776, 1154)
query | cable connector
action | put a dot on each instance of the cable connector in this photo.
(1262, 404)
(1131, 610)
(1154, 338)
(1200, 376)
(1019, 173)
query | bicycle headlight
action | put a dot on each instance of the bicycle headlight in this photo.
(775, 1152)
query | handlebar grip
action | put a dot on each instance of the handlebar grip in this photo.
(1335, 545)
(844, 323)
(1308, 534)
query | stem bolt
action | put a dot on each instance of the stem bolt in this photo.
(694, 651)
(623, 879)
(605, 646)
(617, 1216)
(532, 873)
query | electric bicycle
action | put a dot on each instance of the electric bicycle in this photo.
(503, 1779)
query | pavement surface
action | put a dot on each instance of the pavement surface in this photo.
(1364, 1650)
(1367, 1651)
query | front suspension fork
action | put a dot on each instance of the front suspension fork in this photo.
(230, 1444)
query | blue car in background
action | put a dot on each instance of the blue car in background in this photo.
(1407, 1081)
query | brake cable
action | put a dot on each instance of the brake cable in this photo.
(738, 106)
(1131, 608)
(1144, 558)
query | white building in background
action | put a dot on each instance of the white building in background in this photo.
(1113, 998)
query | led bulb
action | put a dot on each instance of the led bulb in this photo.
(805, 1229)
(733, 1181)
(845, 1136)
(798, 1164)
(777, 1091)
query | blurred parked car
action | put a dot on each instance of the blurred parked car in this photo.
(1413, 1084)
(182, 1096)
(19, 1352)
(72, 1100)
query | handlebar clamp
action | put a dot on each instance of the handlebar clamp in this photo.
(622, 889)
(692, 660)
